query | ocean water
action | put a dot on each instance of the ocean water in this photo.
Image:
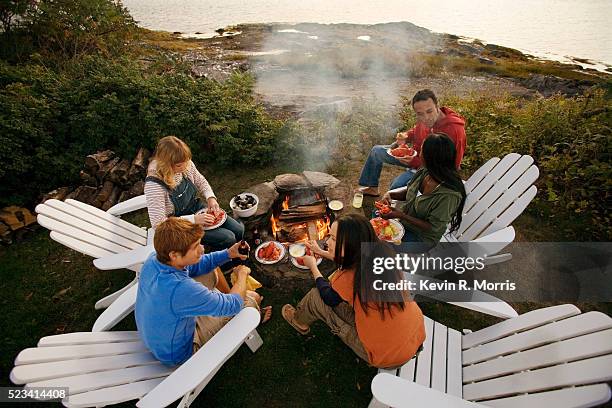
(553, 29)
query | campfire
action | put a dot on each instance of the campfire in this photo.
(300, 215)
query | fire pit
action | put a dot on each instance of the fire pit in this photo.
(293, 208)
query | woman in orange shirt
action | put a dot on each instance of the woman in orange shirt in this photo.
(385, 331)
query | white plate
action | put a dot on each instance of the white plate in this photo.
(265, 261)
(405, 157)
(335, 205)
(295, 263)
(400, 231)
(217, 225)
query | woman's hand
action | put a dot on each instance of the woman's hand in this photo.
(386, 199)
(393, 214)
(313, 245)
(213, 204)
(233, 251)
(204, 219)
(311, 262)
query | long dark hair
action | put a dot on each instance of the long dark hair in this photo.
(353, 231)
(439, 155)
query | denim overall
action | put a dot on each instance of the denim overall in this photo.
(184, 197)
(186, 201)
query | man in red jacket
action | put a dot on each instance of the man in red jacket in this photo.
(430, 119)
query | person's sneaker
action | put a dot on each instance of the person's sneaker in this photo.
(369, 191)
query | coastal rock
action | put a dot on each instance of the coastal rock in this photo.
(549, 85)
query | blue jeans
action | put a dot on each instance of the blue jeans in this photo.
(226, 235)
(370, 173)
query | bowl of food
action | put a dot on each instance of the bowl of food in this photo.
(244, 205)
(297, 250)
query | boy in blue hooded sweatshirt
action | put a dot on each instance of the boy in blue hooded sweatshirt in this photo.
(178, 307)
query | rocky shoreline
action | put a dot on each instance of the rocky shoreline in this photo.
(303, 64)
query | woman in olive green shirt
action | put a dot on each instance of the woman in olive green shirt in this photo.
(425, 216)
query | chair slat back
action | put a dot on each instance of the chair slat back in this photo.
(63, 228)
(497, 200)
(480, 174)
(79, 246)
(99, 218)
(556, 331)
(518, 324)
(58, 353)
(44, 371)
(93, 381)
(571, 349)
(423, 368)
(82, 220)
(113, 395)
(490, 179)
(82, 338)
(499, 208)
(108, 217)
(583, 396)
(439, 356)
(592, 370)
(454, 382)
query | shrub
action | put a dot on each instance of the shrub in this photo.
(49, 120)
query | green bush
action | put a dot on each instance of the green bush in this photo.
(49, 120)
(570, 140)
(58, 30)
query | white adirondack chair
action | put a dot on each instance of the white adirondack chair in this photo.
(497, 193)
(102, 368)
(550, 357)
(100, 234)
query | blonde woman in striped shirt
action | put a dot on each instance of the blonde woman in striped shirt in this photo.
(173, 188)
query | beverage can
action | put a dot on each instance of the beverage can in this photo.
(358, 199)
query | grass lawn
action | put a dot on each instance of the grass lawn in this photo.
(48, 289)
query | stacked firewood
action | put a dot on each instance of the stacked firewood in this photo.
(107, 180)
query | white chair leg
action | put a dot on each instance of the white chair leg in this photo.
(108, 300)
(254, 341)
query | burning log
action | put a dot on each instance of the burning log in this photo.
(302, 213)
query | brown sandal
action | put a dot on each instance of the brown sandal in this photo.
(367, 191)
(291, 321)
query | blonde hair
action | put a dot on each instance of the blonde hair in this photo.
(170, 151)
(175, 235)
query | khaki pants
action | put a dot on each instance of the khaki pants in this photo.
(340, 319)
(208, 326)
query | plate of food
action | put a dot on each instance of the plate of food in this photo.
(388, 230)
(220, 217)
(402, 151)
(269, 252)
(300, 250)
